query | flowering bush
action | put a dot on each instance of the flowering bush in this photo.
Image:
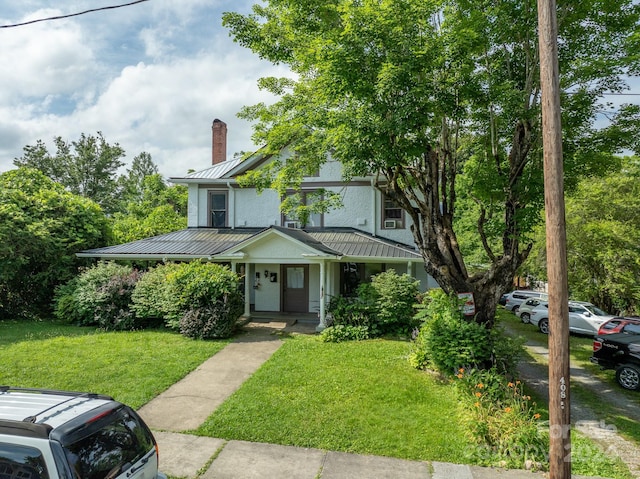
(502, 420)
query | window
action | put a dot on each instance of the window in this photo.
(218, 209)
(110, 446)
(392, 214)
(22, 462)
(314, 220)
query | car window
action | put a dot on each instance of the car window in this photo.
(610, 325)
(21, 462)
(110, 449)
(632, 328)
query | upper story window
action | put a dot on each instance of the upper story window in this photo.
(218, 206)
(392, 214)
(313, 220)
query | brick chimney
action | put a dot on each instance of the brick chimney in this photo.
(219, 142)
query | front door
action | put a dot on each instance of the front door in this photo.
(295, 284)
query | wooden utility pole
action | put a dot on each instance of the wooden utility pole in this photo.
(559, 401)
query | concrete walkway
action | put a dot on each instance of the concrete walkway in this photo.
(188, 403)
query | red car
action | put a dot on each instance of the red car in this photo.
(618, 325)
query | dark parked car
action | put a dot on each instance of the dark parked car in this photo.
(503, 299)
(620, 351)
(619, 325)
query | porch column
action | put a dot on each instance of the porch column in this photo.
(323, 323)
(410, 269)
(247, 290)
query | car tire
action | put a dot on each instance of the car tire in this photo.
(525, 318)
(628, 376)
(515, 309)
(543, 326)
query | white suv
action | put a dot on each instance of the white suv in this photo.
(517, 297)
(584, 318)
(47, 434)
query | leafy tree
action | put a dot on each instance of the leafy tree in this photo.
(158, 209)
(132, 184)
(438, 100)
(603, 240)
(86, 167)
(42, 226)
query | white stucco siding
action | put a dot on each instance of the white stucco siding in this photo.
(192, 206)
(331, 170)
(253, 210)
(357, 210)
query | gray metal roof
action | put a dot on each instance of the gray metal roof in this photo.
(211, 242)
(351, 242)
(188, 243)
(214, 172)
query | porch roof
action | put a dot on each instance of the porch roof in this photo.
(207, 243)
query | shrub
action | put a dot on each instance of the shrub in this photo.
(384, 306)
(86, 300)
(447, 341)
(394, 296)
(344, 332)
(352, 311)
(154, 297)
(197, 285)
(113, 311)
(214, 321)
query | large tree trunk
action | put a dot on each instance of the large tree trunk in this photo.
(425, 190)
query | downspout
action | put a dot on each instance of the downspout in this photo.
(374, 210)
(323, 323)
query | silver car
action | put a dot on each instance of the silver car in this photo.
(584, 318)
(516, 298)
(524, 311)
(46, 434)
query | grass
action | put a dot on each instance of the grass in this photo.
(133, 367)
(354, 397)
(360, 397)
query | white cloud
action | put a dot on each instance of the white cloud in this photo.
(43, 59)
(151, 77)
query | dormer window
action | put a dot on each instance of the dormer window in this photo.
(392, 214)
(218, 207)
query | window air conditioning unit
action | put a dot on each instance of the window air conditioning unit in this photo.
(390, 224)
(292, 224)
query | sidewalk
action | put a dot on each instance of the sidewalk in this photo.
(188, 403)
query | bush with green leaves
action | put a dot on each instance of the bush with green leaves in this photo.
(154, 297)
(99, 296)
(198, 284)
(214, 321)
(353, 311)
(447, 341)
(394, 298)
(344, 332)
(384, 306)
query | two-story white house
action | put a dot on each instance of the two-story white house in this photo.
(288, 267)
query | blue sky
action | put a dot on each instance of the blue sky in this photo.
(151, 77)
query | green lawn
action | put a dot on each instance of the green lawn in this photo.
(354, 396)
(358, 397)
(133, 367)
